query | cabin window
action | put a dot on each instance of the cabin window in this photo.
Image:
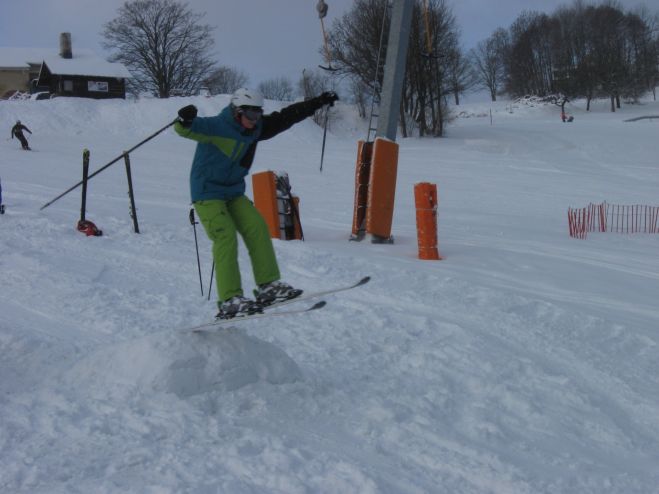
(97, 86)
(67, 86)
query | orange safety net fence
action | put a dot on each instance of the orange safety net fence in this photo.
(613, 218)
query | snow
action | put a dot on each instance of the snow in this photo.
(524, 362)
(86, 62)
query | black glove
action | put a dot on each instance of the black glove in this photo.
(187, 114)
(328, 98)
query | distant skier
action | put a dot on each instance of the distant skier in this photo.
(566, 118)
(17, 130)
(226, 144)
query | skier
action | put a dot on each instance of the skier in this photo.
(17, 130)
(226, 144)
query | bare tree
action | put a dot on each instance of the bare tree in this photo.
(162, 43)
(280, 89)
(531, 64)
(641, 54)
(359, 93)
(460, 75)
(314, 82)
(355, 43)
(225, 80)
(489, 62)
(311, 84)
(581, 50)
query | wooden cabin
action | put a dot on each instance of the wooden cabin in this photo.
(79, 73)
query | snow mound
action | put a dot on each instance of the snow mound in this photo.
(185, 364)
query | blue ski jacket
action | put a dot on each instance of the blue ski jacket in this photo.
(225, 149)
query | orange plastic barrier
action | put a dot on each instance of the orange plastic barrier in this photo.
(425, 199)
(265, 199)
(280, 215)
(382, 189)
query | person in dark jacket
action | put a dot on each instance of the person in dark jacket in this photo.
(17, 130)
(226, 145)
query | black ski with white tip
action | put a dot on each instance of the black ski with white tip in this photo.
(222, 323)
(318, 294)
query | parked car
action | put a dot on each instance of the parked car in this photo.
(39, 96)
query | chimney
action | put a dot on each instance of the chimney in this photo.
(65, 45)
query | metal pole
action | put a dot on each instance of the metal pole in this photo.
(133, 209)
(85, 173)
(110, 163)
(196, 246)
(322, 152)
(394, 69)
(210, 283)
(2, 206)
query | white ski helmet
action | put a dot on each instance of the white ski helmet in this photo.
(246, 97)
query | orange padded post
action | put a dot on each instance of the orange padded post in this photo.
(265, 200)
(382, 189)
(362, 172)
(282, 224)
(425, 198)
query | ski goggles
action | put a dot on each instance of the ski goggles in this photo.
(251, 113)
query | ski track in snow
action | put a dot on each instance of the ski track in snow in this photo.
(525, 362)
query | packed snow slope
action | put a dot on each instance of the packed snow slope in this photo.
(524, 362)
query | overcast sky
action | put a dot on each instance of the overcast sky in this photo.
(263, 38)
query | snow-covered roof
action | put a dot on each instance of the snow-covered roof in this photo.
(19, 58)
(84, 62)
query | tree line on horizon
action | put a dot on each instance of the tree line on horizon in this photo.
(579, 51)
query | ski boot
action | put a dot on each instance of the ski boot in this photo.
(238, 306)
(274, 292)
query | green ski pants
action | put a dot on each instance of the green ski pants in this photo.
(221, 220)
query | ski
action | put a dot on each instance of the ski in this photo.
(219, 323)
(269, 312)
(321, 293)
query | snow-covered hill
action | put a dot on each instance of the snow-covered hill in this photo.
(525, 362)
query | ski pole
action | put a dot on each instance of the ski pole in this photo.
(196, 245)
(110, 163)
(210, 283)
(322, 152)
